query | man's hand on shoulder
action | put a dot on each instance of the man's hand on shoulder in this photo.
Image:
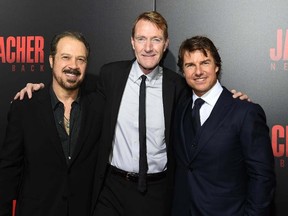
(28, 89)
(240, 95)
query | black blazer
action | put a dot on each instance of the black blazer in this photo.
(230, 168)
(33, 168)
(113, 78)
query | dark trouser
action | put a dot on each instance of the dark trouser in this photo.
(120, 197)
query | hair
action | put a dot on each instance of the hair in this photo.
(155, 18)
(202, 44)
(72, 34)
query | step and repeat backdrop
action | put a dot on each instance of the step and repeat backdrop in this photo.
(252, 37)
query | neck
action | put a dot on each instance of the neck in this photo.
(146, 70)
(65, 96)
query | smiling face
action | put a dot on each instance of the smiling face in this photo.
(69, 64)
(149, 45)
(200, 71)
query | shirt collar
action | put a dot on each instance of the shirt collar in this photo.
(137, 73)
(55, 102)
(212, 95)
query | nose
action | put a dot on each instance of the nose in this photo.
(73, 63)
(198, 70)
(148, 46)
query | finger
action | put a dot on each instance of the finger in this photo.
(16, 96)
(41, 85)
(237, 94)
(29, 89)
(245, 97)
(22, 93)
(29, 93)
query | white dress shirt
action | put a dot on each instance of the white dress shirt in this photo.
(210, 99)
(125, 147)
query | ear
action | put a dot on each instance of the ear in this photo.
(216, 69)
(133, 43)
(166, 44)
(51, 61)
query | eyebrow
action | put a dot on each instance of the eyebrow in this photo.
(206, 60)
(191, 63)
(68, 54)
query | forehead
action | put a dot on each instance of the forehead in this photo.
(197, 55)
(145, 27)
(71, 45)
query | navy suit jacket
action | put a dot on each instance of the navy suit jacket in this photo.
(33, 167)
(113, 78)
(229, 169)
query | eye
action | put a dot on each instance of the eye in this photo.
(82, 60)
(189, 65)
(65, 58)
(157, 40)
(141, 39)
(206, 63)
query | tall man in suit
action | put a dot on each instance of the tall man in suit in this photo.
(119, 82)
(49, 154)
(225, 167)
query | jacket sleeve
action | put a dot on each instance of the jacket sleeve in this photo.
(11, 161)
(259, 161)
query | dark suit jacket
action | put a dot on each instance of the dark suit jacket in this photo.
(113, 78)
(229, 171)
(33, 168)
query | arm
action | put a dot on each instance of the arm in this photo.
(89, 85)
(257, 150)
(28, 89)
(11, 161)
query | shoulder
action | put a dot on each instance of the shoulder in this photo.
(241, 105)
(173, 76)
(95, 97)
(90, 83)
(27, 108)
(182, 90)
(117, 64)
(95, 102)
(38, 96)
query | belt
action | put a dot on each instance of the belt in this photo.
(133, 177)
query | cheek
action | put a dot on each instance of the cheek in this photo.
(188, 73)
(137, 48)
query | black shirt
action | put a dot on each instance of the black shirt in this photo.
(68, 141)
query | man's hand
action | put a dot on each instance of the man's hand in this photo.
(29, 89)
(240, 95)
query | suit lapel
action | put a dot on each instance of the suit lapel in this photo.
(168, 94)
(119, 86)
(215, 120)
(184, 149)
(46, 117)
(85, 126)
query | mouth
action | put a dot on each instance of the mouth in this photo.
(200, 79)
(72, 72)
(148, 55)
